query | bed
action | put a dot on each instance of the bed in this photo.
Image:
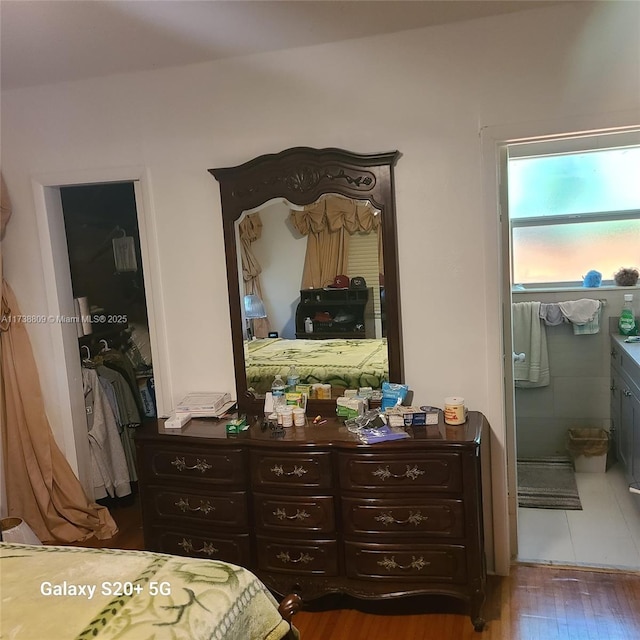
(342, 363)
(79, 593)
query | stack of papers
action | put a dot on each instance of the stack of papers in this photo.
(205, 404)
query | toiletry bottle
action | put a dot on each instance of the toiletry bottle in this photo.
(277, 392)
(292, 379)
(308, 325)
(627, 324)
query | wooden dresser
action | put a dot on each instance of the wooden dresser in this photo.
(318, 512)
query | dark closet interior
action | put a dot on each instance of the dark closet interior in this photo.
(101, 226)
(95, 215)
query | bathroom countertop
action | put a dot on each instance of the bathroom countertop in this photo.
(632, 349)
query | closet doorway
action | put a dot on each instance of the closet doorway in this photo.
(114, 346)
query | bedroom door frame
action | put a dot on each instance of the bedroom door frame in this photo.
(69, 415)
(494, 143)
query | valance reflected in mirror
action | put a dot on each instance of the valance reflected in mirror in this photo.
(311, 252)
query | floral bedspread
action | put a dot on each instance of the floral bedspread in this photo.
(74, 593)
(342, 363)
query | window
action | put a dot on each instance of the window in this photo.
(574, 205)
(363, 261)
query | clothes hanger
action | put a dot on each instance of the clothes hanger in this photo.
(87, 360)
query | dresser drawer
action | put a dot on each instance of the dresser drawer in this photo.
(282, 513)
(226, 510)
(235, 549)
(309, 557)
(225, 467)
(401, 472)
(270, 470)
(403, 517)
(409, 563)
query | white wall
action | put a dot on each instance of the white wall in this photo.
(280, 252)
(428, 93)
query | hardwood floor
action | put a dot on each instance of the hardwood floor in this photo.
(536, 602)
(128, 517)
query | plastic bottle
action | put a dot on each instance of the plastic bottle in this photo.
(308, 325)
(292, 378)
(277, 391)
(627, 324)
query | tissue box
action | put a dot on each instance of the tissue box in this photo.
(237, 425)
(350, 407)
(304, 388)
(177, 420)
(401, 416)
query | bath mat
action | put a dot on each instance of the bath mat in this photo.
(547, 483)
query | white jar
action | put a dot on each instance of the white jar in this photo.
(286, 415)
(454, 410)
(298, 417)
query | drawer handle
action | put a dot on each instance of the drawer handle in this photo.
(205, 507)
(626, 393)
(416, 563)
(614, 353)
(412, 473)
(200, 465)
(278, 469)
(304, 558)
(281, 514)
(414, 518)
(207, 548)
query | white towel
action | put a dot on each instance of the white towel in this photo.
(580, 311)
(530, 338)
(590, 327)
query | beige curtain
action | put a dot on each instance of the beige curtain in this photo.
(328, 223)
(250, 230)
(41, 486)
(5, 210)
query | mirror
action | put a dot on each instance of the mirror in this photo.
(269, 205)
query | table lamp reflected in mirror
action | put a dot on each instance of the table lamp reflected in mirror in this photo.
(253, 308)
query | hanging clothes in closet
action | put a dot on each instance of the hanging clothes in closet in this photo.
(109, 469)
(113, 414)
(117, 374)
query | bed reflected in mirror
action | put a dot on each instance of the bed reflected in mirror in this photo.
(310, 240)
(316, 273)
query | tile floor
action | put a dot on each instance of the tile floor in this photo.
(606, 533)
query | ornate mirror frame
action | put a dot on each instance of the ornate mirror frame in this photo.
(301, 175)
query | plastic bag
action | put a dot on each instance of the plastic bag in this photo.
(393, 394)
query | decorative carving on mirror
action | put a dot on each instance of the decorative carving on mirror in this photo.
(308, 177)
(299, 177)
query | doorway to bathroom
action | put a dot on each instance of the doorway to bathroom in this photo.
(556, 230)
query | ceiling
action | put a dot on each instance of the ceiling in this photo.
(48, 41)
